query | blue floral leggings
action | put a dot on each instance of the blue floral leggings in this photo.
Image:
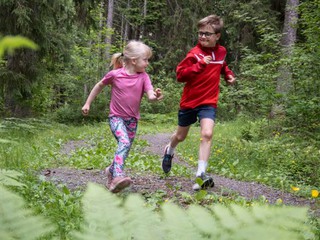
(124, 130)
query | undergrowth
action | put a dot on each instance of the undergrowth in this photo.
(244, 149)
(106, 216)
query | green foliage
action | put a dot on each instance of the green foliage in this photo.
(48, 24)
(268, 157)
(43, 139)
(303, 103)
(107, 216)
(10, 43)
(55, 202)
(10, 178)
(259, 152)
(17, 222)
(254, 94)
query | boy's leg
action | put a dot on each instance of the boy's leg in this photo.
(206, 115)
(176, 138)
(179, 136)
(207, 126)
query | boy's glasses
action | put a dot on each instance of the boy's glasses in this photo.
(206, 34)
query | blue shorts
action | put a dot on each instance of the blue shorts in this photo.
(187, 117)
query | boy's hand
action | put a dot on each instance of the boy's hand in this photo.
(158, 94)
(231, 80)
(207, 59)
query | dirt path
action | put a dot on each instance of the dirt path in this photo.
(171, 186)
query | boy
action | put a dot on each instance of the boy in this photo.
(200, 71)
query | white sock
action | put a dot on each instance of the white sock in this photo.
(202, 166)
(170, 150)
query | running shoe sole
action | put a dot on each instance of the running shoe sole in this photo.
(120, 185)
(166, 161)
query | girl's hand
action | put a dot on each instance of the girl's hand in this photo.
(158, 94)
(85, 110)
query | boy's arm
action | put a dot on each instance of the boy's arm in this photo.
(189, 67)
(228, 74)
(94, 92)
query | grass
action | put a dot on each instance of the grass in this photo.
(244, 149)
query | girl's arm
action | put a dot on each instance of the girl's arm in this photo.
(94, 92)
(154, 95)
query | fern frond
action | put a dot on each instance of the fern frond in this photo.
(104, 217)
(178, 224)
(7, 141)
(109, 217)
(16, 222)
(262, 222)
(205, 223)
(9, 178)
(141, 222)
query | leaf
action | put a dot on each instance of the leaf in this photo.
(9, 178)
(17, 222)
(177, 223)
(139, 220)
(204, 221)
(103, 216)
(108, 217)
(2, 140)
(10, 43)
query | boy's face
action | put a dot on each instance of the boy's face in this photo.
(207, 37)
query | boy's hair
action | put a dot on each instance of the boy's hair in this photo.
(136, 49)
(214, 21)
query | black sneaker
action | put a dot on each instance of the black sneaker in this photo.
(167, 161)
(202, 182)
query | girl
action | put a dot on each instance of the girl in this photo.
(128, 84)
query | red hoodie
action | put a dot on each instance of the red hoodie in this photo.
(201, 79)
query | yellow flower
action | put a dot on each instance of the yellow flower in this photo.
(295, 188)
(218, 151)
(200, 139)
(314, 193)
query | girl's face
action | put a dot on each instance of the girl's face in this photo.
(207, 37)
(140, 64)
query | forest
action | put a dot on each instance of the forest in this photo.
(52, 53)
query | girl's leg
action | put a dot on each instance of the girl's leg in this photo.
(124, 131)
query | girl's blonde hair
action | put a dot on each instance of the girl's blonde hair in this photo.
(133, 50)
(136, 49)
(116, 61)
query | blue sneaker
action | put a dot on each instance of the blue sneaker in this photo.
(167, 161)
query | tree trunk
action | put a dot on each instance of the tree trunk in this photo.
(144, 17)
(127, 27)
(108, 39)
(289, 36)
